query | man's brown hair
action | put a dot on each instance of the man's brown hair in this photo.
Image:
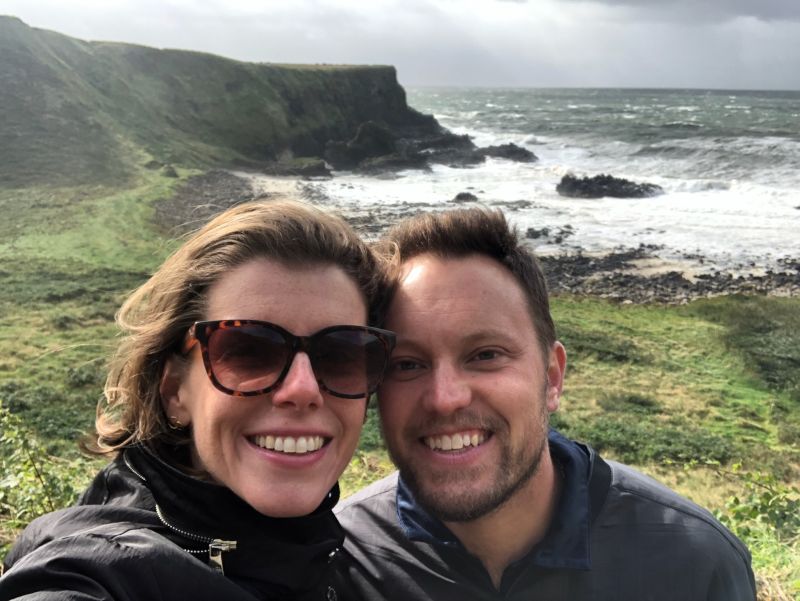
(462, 232)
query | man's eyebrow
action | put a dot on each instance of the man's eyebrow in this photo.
(487, 334)
(477, 337)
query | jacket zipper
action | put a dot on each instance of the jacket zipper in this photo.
(216, 546)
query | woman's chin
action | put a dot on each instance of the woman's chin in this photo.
(287, 502)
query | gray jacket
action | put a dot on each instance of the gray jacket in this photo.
(644, 542)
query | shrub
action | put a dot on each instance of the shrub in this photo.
(371, 439)
(765, 501)
(89, 374)
(635, 439)
(629, 403)
(603, 346)
(32, 482)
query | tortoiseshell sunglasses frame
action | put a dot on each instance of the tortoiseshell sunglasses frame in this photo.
(200, 332)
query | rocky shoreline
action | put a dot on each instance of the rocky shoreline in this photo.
(635, 275)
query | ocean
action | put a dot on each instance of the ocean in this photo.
(728, 161)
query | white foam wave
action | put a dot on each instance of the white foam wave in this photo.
(731, 198)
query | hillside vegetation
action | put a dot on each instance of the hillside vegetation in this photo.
(77, 112)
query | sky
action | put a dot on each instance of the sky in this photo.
(731, 44)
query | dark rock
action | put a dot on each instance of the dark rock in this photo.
(614, 276)
(393, 162)
(169, 171)
(299, 167)
(556, 237)
(514, 205)
(456, 157)
(377, 149)
(464, 197)
(306, 145)
(605, 185)
(371, 140)
(153, 165)
(509, 151)
(446, 140)
(447, 148)
(535, 234)
(338, 155)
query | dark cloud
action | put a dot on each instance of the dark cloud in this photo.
(638, 43)
(708, 10)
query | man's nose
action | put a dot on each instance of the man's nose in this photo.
(300, 387)
(449, 392)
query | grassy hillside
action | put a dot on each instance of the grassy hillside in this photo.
(76, 111)
(703, 396)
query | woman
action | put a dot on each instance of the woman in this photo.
(233, 405)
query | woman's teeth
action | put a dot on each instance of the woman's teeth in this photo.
(453, 442)
(290, 444)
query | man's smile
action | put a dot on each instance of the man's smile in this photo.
(456, 441)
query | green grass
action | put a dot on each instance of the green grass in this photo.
(683, 392)
(68, 262)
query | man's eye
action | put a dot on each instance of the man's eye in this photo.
(486, 355)
(405, 365)
(405, 369)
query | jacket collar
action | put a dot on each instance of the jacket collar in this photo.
(273, 556)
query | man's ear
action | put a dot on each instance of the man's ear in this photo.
(170, 389)
(556, 369)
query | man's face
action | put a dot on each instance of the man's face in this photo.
(465, 405)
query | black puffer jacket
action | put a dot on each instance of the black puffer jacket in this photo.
(142, 531)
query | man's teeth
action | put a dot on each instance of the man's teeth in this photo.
(290, 444)
(454, 442)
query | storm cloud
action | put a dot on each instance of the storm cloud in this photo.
(720, 10)
(735, 44)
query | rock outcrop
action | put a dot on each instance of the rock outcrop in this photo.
(605, 185)
(77, 112)
(509, 151)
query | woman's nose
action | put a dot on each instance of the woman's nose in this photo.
(300, 387)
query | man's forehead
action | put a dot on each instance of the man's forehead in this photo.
(419, 266)
(413, 270)
(428, 279)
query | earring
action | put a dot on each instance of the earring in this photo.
(174, 423)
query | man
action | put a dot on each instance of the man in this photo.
(489, 503)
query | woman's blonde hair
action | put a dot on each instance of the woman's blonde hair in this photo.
(156, 316)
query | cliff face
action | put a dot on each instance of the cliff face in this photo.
(74, 111)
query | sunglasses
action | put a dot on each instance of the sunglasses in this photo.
(245, 357)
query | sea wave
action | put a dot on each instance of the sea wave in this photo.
(701, 186)
(730, 178)
(681, 125)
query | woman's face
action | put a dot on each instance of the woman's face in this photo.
(229, 433)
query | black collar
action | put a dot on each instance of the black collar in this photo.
(278, 556)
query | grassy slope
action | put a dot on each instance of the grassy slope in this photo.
(682, 392)
(75, 109)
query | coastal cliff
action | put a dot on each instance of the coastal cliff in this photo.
(82, 112)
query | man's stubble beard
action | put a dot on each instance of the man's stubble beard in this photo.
(513, 471)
